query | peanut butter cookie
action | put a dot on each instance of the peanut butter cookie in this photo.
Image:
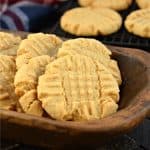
(91, 21)
(26, 81)
(94, 49)
(9, 44)
(138, 22)
(36, 45)
(75, 87)
(113, 4)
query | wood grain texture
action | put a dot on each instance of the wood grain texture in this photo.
(133, 108)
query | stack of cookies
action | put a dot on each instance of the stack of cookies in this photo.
(8, 50)
(99, 17)
(71, 80)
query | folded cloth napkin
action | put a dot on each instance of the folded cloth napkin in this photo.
(25, 15)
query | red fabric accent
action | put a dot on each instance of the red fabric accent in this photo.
(36, 1)
(51, 1)
(16, 19)
(46, 1)
(9, 1)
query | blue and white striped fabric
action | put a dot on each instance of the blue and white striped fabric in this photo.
(26, 15)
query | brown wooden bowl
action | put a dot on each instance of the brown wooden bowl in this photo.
(134, 107)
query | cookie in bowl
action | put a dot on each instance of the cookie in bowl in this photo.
(72, 80)
(8, 99)
(94, 49)
(9, 44)
(77, 88)
(26, 80)
(36, 45)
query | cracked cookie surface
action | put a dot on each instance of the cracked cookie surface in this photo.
(138, 22)
(91, 21)
(74, 87)
(113, 4)
(26, 81)
(36, 45)
(94, 49)
(7, 73)
(9, 44)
